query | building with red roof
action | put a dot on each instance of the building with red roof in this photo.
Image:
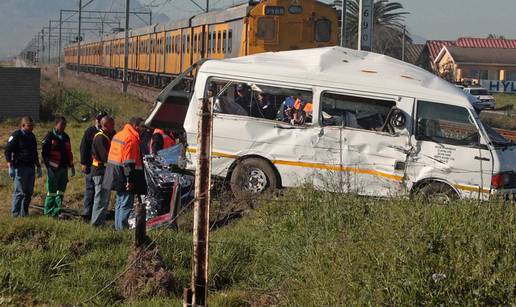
(470, 59)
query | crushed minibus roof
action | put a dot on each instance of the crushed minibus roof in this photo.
(341, 68)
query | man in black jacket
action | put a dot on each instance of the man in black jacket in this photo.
(86, 160)
(21, 153)
(100, 151)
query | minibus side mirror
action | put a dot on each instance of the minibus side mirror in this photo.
(398, 119)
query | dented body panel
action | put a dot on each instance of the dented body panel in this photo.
(440, 139)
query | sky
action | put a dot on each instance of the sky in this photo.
(450, 19)
(428, 19)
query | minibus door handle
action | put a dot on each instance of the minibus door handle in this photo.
(482, 158)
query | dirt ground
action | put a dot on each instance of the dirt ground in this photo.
(90, 82)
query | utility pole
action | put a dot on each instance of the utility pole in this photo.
(49, 38)
(79, 40)
(365, 25)
(42, 45)
(403, 42)
(125, 80)
(60, 38)
(343, 14)
(359, 36)
(199, 285)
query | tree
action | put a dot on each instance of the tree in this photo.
(388, 26)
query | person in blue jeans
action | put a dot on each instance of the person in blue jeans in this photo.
(21, 153)
(124, 170)
(99, 151)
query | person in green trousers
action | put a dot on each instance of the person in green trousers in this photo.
(58, 158)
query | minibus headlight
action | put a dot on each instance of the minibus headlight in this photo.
(500, 180)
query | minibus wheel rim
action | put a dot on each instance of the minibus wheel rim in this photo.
(256, 181)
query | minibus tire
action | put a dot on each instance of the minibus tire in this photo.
(437, 191)
(242, 172)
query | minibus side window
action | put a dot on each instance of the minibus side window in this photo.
(289, 105)
(354, 112)
(443, 123)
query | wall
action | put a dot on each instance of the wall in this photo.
(19, 92)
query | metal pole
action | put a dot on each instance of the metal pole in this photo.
(36, 60)
(207, 6)
(150, 18)
(202, 206)
(360, 13)
(403, 43)
(125, 81)
(42, 45)
(343, 14)
(60, 38)
(49, 37)
(79, 40)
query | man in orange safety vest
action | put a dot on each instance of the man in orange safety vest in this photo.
(124, 170)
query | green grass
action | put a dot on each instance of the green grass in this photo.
(505, 100)
(301, 249)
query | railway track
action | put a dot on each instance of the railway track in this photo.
(508, 134)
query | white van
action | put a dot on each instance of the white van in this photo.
(370, 124)
(484, 99)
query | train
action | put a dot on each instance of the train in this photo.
(159, 52)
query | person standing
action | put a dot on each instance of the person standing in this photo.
(21, 153)
(124, 170)
(57, 156)
(85, 153)
(161, 139)
(100, 150)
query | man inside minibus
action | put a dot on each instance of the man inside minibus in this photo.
(262, 107)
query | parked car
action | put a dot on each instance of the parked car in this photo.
(473, 100)
(485, 100)
(374, 126)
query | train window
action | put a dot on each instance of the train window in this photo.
(213, 42)
(322, 30)
(267, 28)
(209, 44)
(195, 44)
(224, 41)
(230, 41)
(188, 43)
(219, 42)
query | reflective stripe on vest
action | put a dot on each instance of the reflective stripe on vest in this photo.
(96, 162)
(125, 147)
(167, 140)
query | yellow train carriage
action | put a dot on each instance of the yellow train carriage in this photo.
(159, 52)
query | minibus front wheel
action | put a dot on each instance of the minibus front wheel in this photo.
(252, 176)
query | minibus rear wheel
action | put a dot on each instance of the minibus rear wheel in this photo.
(437, 192)
(252, 176)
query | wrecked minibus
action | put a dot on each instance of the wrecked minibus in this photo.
(375, 126)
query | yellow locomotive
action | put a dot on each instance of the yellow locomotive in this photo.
(159, 52)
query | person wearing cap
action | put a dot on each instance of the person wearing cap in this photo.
(21, 153)
(124, 170)
(86, 160)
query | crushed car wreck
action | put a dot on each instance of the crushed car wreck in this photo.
(343, 120)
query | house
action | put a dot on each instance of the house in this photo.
(432, 48)
(470, 65)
